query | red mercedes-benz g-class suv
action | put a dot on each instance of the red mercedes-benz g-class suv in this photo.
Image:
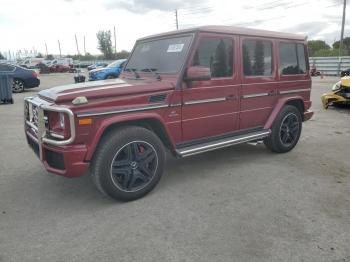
(188, 91)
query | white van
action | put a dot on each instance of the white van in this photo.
(62, 61)
(31, 62)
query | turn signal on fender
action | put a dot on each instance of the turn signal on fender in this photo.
(85, 121)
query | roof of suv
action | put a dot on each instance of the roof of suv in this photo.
(232, 30)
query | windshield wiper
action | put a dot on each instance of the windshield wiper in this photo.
(153, 71)
(133, 70)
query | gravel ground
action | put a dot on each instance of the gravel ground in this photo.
(242, 203)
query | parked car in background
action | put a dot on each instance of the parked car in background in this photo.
(31, 62)
(62, 61)
(59, 68)
(345, 73)
(97, 65)
(340, 94)
(113, 70)
(22, 78)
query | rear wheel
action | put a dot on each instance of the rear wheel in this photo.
(285, 131)
(128, 163)
(17, 86)
(110, 77)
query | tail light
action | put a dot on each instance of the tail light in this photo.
(34, 74)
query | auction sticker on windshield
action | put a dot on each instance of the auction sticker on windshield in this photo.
(175, 48)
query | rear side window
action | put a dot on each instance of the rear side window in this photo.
(257, 58)
(217, 54)
(292, 59)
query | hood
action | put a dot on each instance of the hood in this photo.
(105, 88)
(345, 81)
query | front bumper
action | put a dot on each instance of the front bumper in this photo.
(58, 155)
(332, 98)
(67, 161)
(32, 82)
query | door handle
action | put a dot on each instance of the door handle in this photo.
(271, 93)
(231, 97)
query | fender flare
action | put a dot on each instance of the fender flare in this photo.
(278, 107)
(121, 119)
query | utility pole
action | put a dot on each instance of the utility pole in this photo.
(115, 42)
(84, 46)
(46, 50)
(76, 42)
(59, 48)
(176, 20)
(342, 30)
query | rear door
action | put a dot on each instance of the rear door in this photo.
(211, 107)
(259, 85)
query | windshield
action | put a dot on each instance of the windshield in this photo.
(116, 63)
(162, 55)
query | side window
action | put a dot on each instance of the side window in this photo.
(217, 54)
(257, 58)
(292, 59)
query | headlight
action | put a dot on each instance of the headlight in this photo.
(336, 86)
(58, 125)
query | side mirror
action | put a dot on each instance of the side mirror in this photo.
(198, 73)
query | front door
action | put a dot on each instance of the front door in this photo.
(211, 107)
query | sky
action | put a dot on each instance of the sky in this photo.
(30, 24)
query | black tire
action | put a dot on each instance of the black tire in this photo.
(17, 86)
(117, 153)
(110, 77)
(285, 131)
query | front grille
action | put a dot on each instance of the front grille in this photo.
(33, 145)
(35, 115)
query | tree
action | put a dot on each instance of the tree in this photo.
(1, 56)
(316, 45)
(122, 54)
(328, 52)
(39, 55)
(49, 57)
(247, 64)
(259, 57)
(105, 43)
(346, 45)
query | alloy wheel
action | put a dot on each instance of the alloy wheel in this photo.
(17, 86)
(289, 129)
(134, 166)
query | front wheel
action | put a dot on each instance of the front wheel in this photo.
(286, 130)
(128, 163)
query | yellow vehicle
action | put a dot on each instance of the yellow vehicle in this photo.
(340, 93)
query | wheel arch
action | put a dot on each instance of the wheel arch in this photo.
(296, 101)
(151, 122)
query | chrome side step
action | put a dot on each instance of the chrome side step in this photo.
(205, 147)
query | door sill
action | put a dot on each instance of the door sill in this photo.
(221, 143)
